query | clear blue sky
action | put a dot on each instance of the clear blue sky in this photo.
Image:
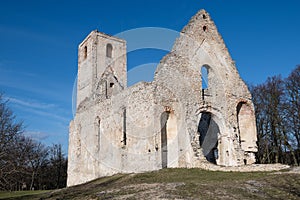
(39, 39)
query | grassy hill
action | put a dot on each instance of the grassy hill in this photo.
(182, 184)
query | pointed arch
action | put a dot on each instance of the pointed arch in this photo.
(208, 138)
(246, 126)
(169, 144)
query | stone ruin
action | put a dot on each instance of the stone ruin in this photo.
(177, 120)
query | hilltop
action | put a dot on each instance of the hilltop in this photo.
(185, 184)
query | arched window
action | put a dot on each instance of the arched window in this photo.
(85, 52)
(204, 77)
(109, 49)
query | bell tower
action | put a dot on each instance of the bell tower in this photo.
(101, 66)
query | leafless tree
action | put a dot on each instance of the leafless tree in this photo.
(293, 107)
(59, 164)
(277, 117)
(24, 162)
(10, 130)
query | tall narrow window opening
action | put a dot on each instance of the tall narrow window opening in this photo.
(109, 49)
(98, 132)
(124, 127)
(85, 52)
(106, 91)
(204, 77)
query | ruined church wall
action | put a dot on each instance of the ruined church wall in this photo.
(154, 125)
(99, 128)
(184, 80)
(201, 45)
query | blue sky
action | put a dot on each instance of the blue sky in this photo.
(39, 39)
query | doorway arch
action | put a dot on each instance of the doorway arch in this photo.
(164, 140)
(246, 126)
(168, 138)
(208, 131)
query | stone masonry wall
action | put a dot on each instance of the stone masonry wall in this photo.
(170, 122)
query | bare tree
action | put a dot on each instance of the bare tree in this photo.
(37, 155)
(293, 107)
(59, 164)
(10, 130)
(24, 161)
(277, 117)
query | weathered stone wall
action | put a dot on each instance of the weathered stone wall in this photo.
(201, 45)
(170, 122)
(96, 70)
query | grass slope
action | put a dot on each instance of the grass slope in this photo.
(183, 184)
(20, 194)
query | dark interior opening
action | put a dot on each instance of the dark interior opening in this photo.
(208, 139)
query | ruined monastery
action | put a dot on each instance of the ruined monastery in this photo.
(176, 120)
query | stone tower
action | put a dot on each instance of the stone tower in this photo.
(176, 120)
(101, 66)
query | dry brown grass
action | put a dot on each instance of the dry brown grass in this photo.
(184, 184)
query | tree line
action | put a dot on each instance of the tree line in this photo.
(26, 164)
(277, 110)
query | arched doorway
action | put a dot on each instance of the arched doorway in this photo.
(164, 141)
(246, 126)
(208, 139)
(169, 143)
